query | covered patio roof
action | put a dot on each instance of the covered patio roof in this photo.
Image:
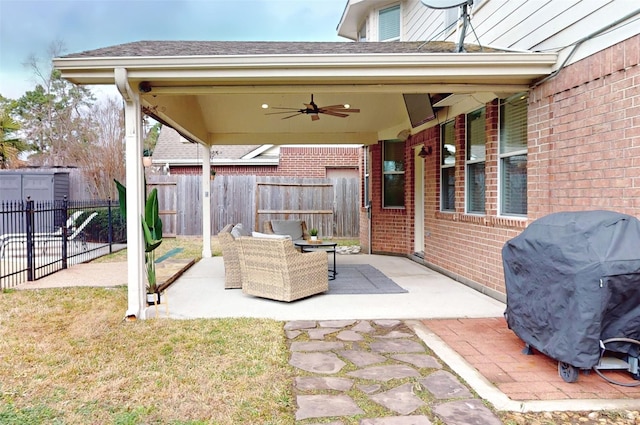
(212, 91)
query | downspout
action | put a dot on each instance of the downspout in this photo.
(368, 195)
(579, 43)
(136, 280)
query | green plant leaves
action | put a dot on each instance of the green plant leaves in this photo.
(151, 228)
(122, 198)
(152, 215)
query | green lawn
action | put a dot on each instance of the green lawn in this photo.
(67, 357)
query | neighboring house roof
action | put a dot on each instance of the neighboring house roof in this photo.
(173, 149)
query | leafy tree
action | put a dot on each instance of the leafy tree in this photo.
(62, 124)
(151, 137)
(10, 145)
(53, 116)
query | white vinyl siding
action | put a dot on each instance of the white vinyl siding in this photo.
(450, 19)
(527, 24)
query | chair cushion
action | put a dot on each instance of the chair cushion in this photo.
(238, 231)
(269, 235)
(292, 228)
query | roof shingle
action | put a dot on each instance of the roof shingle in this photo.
(245, 48)
(171, 147)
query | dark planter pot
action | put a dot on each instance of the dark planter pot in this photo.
(153, 298)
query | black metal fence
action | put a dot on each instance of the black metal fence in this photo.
(38, 238)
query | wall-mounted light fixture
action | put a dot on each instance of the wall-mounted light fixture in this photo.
(425, 151)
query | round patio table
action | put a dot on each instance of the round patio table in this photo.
(330, 247)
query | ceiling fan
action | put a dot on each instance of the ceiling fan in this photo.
(314, 110)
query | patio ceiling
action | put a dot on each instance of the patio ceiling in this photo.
(213, 92)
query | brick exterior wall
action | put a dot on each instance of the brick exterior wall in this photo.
(311, 162)
(583, 153)
(584, 135)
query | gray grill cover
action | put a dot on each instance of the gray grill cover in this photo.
(572, 279)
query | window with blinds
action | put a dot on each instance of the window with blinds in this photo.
(393, 174)
(389, 24)
(447, 167)
(475, 161)
(513, 155)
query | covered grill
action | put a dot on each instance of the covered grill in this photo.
(572, 281)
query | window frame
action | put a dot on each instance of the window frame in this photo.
(362, 32)
(503, 156)
(399, 23)
(393, 172)
(470, 163)
(447, 167)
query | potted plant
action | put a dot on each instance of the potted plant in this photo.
(152, 231)
(314, 234)
(213, 174)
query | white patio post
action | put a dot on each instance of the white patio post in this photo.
(206, 201)
(134, 182)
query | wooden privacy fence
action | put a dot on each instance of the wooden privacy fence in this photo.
(331, 205)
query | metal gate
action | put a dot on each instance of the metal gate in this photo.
(38, 238)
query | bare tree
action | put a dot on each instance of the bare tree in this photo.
(103, 160)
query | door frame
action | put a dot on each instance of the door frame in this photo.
(418, 201)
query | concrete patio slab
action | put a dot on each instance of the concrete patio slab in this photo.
(200, 293)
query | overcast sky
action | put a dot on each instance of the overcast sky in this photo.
(29, 27)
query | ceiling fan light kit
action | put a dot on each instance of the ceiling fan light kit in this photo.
(341, 111)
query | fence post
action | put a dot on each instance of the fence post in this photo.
(29, 231)
(65, 217)
(110, 224)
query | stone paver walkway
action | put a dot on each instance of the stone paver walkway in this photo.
(374, 372)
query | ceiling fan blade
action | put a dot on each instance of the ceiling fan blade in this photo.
(278, 107)
(315, 117)
(284, 112)
(342, 109)
(332, 107)
(332, 113)
(291, 116)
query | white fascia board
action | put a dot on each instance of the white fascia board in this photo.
(462, 87)
(259, 150)
(305, 67)
(198, 162)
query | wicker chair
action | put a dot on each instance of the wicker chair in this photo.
(274, 269)
(230, 248)
(268, 228)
